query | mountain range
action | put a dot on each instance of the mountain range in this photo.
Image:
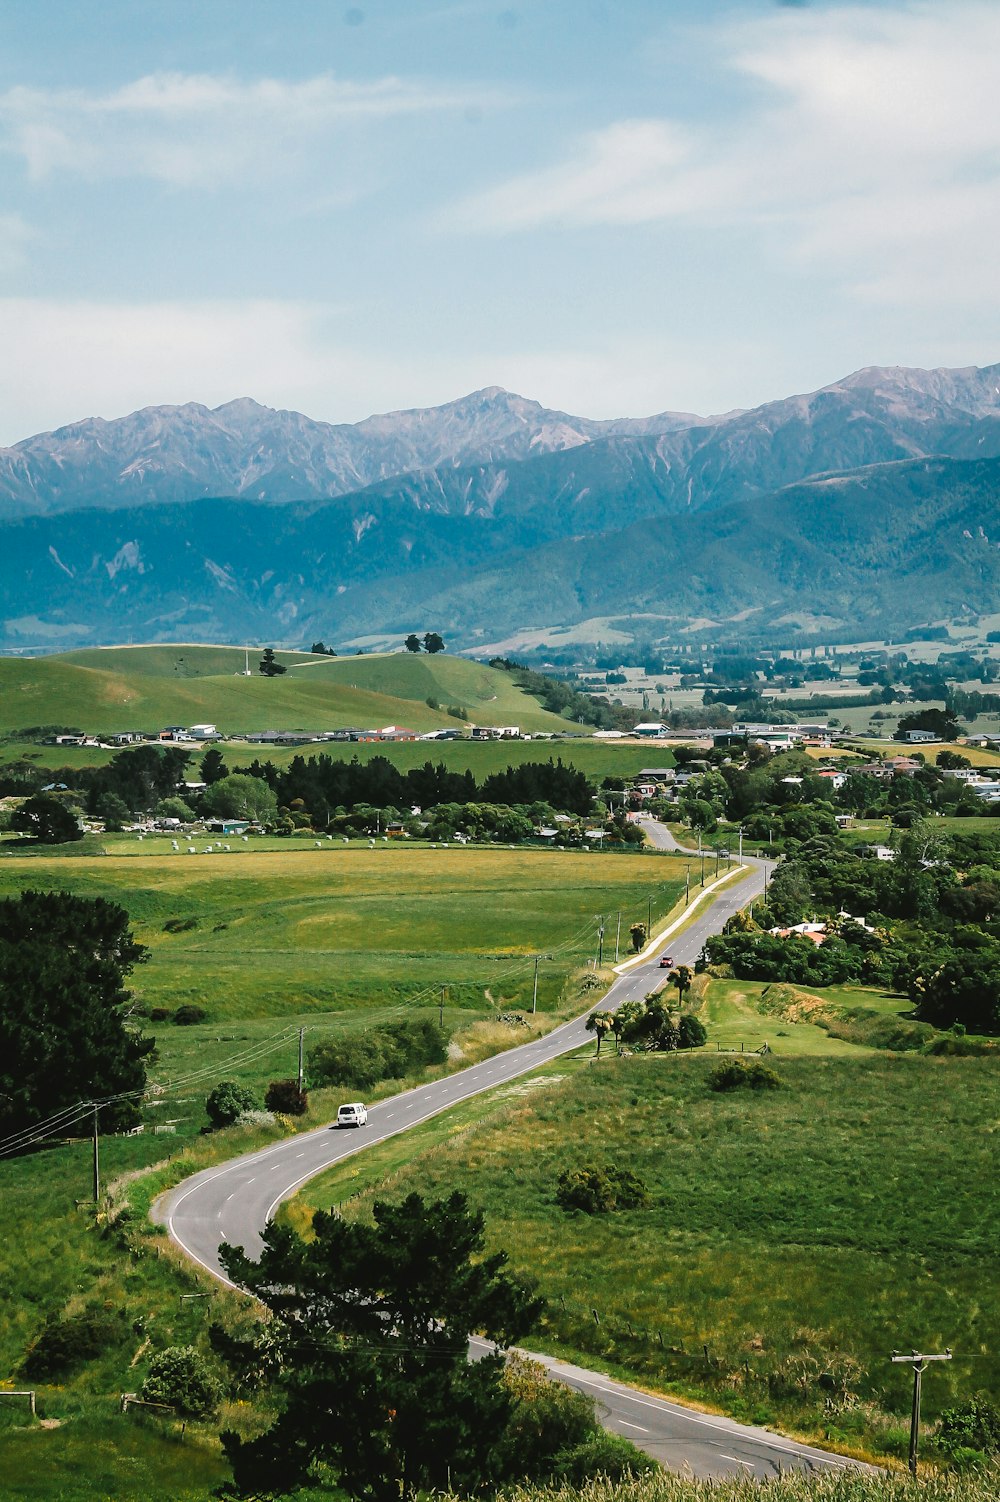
(870, 502)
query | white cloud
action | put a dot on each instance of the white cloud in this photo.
(198, 129)
(869, 133)
(66, 360)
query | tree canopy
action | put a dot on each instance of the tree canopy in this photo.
(63, 963)
(373, 1323)
(48, 820)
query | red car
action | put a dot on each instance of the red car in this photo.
(666, 961)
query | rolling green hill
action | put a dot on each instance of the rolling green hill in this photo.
(144, 688)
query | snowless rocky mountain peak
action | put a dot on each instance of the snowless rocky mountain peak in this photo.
(245, 449)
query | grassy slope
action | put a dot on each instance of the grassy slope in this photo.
(782, 1226)
(123, 688)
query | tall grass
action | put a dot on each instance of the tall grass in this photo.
(839, 1487)
(794, 1239)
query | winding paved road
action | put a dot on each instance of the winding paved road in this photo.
(235, 1201)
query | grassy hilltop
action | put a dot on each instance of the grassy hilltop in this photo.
(123, 688)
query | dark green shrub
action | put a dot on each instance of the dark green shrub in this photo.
(546, 1420)
(181, 1377)
(382, 1054)
(179, 925)
(228, 1102)
(285, 1097)
(67, 1342)
(612, 1457)
(691, 1032)
(971, 1425)
(737, 1075)
(597, 1191)
(160, 1014)
(188, 1014)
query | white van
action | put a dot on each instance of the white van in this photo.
(353, 1115)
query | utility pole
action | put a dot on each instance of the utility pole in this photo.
(649, 915)
(618, 934)
(687, 886)
(444, 991)
(600, 941)
(97, 1161)
(717, 860)
(918, 1360)
(741, 844)
(702, 854)
(534, 984)
(302, 1072)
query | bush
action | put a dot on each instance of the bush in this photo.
(182, 1378)
(597, 1191)
(972, 1425)
(285, 1097)
(611, 1457)
(382, 1054)
(547, 1420)
(228, 1102)
(188, 1014)
(179, 925)
(740, 1076)
(691, 1032)
(65, 1343)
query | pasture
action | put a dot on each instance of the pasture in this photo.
(794, 1237)
(292, 929)
(281, 936)
(104, 691)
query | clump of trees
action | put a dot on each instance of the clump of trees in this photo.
(46, 820)
(649, 1026)
(286, 1099)
(67, 1341)
(383, 1053)
(269, 665)
(429, 642)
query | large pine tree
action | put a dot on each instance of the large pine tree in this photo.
(63, 1038)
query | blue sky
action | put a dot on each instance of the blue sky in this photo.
(616, 208)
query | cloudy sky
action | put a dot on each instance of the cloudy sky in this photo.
(614, 206)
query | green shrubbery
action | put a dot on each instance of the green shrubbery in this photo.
(285, 1097)
(597, 1191)
(228, 1102)
(970, 1426)
(384, 1053)
(66, 1342)
(737, 1075)
(182, 1378)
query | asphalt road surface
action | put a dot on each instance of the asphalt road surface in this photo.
(235, 1201)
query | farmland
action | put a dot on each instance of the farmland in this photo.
(294, 929)
(281, 936)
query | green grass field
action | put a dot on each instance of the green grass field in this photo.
(803, 1231)
(293, 929)
(596, 759)
(145, 688)
(285, 936)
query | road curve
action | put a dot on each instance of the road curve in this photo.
(235, 1201)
